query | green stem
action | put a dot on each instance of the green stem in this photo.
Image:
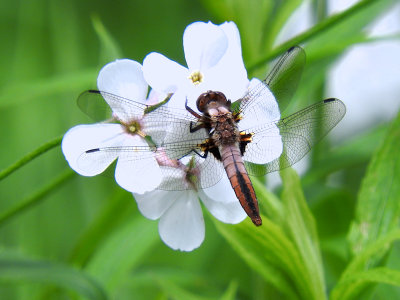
(35, 198)
(312, 32)
(30, 156)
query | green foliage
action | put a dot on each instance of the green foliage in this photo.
(329, 234)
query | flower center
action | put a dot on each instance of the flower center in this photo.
(196, 77)
(133, 128)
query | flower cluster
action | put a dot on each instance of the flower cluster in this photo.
(164, 187)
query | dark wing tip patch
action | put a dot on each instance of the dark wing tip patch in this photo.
(92, 150)
(94, 91)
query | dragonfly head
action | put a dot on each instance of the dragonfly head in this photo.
(211, 99)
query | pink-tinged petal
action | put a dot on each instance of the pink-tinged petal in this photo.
(82, 138)
(182, 225)
(156, 97)
(124, 78)
(137, 172)
(163, 74)
(153, 204)
(204, 45)
(227, 212)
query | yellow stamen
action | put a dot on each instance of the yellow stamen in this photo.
(196, 77)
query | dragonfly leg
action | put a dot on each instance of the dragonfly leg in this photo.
(201, 155)
(191, 110)
(195, 128)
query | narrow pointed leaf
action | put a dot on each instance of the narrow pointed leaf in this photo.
(356, 283)
(378, 207)
(302, 230)
(267, 250)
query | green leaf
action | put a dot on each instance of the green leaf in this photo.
(364, 12)
(356, 283)
(300, 225)
(272, 26)
(20, 270)
(123, 251)
(267, 250)
(174, 291)
(269, 202)
(230, 293)
(378, 207)
(361, 262)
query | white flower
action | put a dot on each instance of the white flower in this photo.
(181, 224)
(123, 78)
(214, 58)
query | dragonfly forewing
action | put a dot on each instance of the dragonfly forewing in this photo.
(282, 80)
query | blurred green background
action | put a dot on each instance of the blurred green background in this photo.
(63, 236)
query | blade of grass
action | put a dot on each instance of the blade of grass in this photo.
(36, 197)
(302, 230)
(357, 282)
(109, 48)
(267, 250)
(311, 33)
(378, 209)
(30, 156)
(360, 262)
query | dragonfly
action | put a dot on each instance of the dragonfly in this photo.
(218, 140)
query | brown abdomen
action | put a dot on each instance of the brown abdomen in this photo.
(240, 181)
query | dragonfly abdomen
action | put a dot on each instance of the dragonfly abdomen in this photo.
(240, 181)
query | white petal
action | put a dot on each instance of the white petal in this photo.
(229, 75)
(123, 78)
(163, 74)
(204, 45)
(137, 174)
(222, 191)
(153, 204)
(86, 137)
(227, 212)
(182, 225)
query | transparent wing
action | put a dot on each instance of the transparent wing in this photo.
(299, 132)
(209, 169)
(170, 141)
(282, 81)
(101, 106)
